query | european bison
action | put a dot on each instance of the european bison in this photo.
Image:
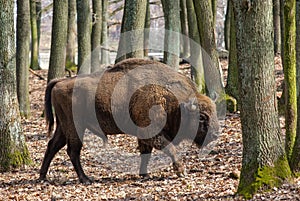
(143, 98)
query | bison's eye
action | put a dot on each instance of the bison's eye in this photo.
(203, 117)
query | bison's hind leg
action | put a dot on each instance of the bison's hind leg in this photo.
(73, 150)
(57, 142)
(145, 151)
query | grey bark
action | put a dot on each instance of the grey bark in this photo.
(13, 150)
(22, 56)
(58, 39)
(84, 36)
(96, 34)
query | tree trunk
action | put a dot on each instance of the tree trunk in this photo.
(58, 39)
(289, 69)
(38, 5)
(22, 58)
(131, 44)
(13, 149)
(34, 37)
(84, 36)
(232, 78)
(171, 10)
(227, 25)
(210, 56)
(71, 34)
(197, 71)
(184, 30)
(214, 10)
(96, 34)
(277, 29)
(264, 163)
(295, 159)
(147, 30)
(104, 37)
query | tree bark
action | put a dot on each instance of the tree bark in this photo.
(210, 56)
(171, 10)
(295, 158)
(277, 29)
(197, 71)
(13, 149)
(184, 30)
(84, 36)
(58, 40)
(131, 44)
(96, 34)
(147, 30)
(34, 37)
(22, 58)
(289, 69)
(104, 34)
(227, 25)
(71, 34)
(264, 163)
(232, 88)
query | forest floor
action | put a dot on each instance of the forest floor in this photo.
(211, 176)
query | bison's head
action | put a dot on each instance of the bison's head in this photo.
(201, 121)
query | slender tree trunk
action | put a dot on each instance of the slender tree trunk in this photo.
(264, 163)
(184, 30)
(13, 149)
(84, 36)
(58, 39)
(71, 35)
(289, 69)
(210, 56)
(214, 4)
(295, 159)
(38, 4)
(147, 30)
(227, 25)
(131, 42)
(197, 71)
(96, 34)
(104, 35)
(34, 37)
(171, 10)
(277, 29)
(22, 58)
(232, 78)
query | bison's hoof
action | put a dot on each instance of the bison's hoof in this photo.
(145, 176)
(181, 173)
(42, 178)
(86, 181)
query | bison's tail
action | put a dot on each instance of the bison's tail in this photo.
(48, 106)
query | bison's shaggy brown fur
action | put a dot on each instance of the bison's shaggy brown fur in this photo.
(161, 99)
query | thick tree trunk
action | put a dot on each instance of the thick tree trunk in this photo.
(58, 39)
(34, 37)
(295, 159)
(131, 44)
(171, 10)
(84, 36)
(289, 69)
(96, 34)
(104, 34)
(264, 163)
(197, 71)
(277, 29)
(13, 150)
(71, 35)
(22, 58)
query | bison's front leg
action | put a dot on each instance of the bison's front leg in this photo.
(73, 150)
(145, 151)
